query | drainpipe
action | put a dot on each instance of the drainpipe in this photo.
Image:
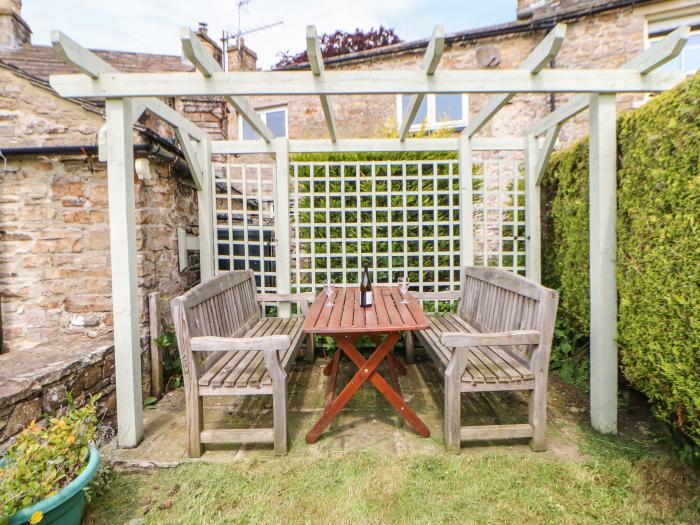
(150, 149)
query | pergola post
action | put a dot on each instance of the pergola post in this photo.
(533, 242)
(603, 248)
(205, 207)
(122, 236)
(281, 194)
(466, 202)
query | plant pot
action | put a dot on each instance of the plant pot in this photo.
(66, 507)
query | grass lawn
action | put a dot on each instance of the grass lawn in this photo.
(624, 479)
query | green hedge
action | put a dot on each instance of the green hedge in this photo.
(658, 253)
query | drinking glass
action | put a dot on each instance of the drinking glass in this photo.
(329, 288)
(403, 288)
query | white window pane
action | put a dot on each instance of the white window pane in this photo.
(248, 132)
(276, 122)
(422, 110)
(691, 54)
(673, 65)
(448, 107)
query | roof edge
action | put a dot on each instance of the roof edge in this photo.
(508, 28)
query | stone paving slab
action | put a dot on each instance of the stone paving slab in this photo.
(368, 422)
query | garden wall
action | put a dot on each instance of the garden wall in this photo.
(658, 255)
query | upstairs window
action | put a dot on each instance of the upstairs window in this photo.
(275, 118)
(661, 24)
(436, 111)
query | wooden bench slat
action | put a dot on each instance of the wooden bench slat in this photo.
(234, 369)
(514, 368)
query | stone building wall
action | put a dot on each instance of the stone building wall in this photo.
(54, 246)
(54, 229)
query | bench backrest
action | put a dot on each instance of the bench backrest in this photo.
(224, 306)
(496, 300)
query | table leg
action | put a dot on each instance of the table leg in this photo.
(376, 339)
(367, 368)
(333, 374)
(380, 384)
(398, 365)
(393, 372)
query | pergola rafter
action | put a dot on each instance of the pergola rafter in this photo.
(433, 55)
(536, 61)
(126, 93)
(201, 58)
(643, 64)
(313, 51)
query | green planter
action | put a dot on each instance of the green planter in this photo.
(66, 507)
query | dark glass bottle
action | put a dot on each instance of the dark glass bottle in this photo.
(365, 288)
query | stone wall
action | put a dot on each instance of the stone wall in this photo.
(54, 230)
(40, 383)
(54, 246)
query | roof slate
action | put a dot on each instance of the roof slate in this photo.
(42, 61)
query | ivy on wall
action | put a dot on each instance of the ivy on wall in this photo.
(658, 256)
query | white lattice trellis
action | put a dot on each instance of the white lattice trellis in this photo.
(244, 220)
(401, 218)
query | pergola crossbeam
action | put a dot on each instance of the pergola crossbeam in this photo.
(313, 51)
(643, 64)
(204, 62)
(268, 83)
(93, 66)
(240, 147)
(432, 57)
(542, 55)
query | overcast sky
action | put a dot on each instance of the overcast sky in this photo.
(153, 25)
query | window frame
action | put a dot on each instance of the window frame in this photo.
(262, 113)
(432, 124)
(672, 20)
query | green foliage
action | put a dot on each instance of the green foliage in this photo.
(172, 366)
(45, 458)
(569, 356)
(658, 256)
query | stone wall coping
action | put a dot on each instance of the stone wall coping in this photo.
(24, 373)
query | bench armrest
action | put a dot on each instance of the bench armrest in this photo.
(308, 297)
(448, 295)
(228, 344)
(515, 337)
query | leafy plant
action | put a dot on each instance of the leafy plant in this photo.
(44, 458)
(343, 42)
(172, 366)
(569, 356)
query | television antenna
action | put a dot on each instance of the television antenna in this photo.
(240, 32)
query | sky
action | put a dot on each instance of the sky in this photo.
(153, 26)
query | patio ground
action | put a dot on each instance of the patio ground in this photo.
(368, 467)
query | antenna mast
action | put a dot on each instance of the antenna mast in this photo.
(228, 35)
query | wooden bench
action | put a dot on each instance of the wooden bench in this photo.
(228, 348)
(499, 339)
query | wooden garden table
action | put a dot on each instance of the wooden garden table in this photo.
(383, 322)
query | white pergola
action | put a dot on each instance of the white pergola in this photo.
(128, 95)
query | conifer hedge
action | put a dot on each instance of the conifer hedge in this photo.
(658, 256)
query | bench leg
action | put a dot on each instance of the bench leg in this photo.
(410, 341)
(537, 415)
(195, 424)
(279, 414)
(452, 412)
(310, 352)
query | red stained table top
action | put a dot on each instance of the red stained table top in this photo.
(387, 313)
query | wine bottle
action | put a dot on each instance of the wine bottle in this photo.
(365, 288)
